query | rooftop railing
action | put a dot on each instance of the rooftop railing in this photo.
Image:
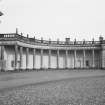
(15, 36)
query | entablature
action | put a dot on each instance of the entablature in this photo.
(22, 44)
(13, 39)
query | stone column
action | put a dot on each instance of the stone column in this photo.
(33, 58)
(84, 59)
(27, 57)
(16, 56)
(102, 55)
(93, 65)
(66, 56)
(2, 52)
(57, 59)
(103, 58)
(2, 58)
(21, 57)
(100, 59)
(75, 54)
(41, 64)
(49, 61)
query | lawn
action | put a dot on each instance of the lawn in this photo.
(70, 91)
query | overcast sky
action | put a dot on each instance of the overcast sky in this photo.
(81, 19)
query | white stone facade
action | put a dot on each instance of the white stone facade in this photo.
(22, 53)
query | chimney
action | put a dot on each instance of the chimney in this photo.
(41, 39)
(21, 34)
(57, 41)
(16, 30)
(101, 39)
(67, 40)
(49, 41)
(27, 36)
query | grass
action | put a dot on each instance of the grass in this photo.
(75, 91)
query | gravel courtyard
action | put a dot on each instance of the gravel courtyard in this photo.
(68, 91)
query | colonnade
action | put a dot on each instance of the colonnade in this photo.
(15, 53)
(49, 57)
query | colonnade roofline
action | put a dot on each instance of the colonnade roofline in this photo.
(20, 37)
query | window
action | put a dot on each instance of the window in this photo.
(87, 63)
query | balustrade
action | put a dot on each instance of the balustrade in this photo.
(33, 40)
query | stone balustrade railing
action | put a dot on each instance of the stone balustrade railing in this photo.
(14, 36)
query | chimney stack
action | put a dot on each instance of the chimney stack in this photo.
(67, 40)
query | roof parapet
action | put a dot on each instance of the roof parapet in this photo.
(34, 40)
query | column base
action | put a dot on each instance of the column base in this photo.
(103, 68)
(27, 69)
(34, 69)
(66, 68)
(16, 69)
(2, 70)
(49, 68)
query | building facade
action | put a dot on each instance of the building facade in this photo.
(23, 53)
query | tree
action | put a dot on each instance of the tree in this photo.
(1, 13)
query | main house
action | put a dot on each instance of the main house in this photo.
(23, 53)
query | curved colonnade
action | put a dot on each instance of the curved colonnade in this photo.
(24, 53)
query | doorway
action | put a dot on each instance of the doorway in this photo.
(87, 63)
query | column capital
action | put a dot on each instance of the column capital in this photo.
(27, 48)
(58, 51)
(49, 50)
(41, 50)
(66, 50)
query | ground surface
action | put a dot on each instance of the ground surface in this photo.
(64, 88)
